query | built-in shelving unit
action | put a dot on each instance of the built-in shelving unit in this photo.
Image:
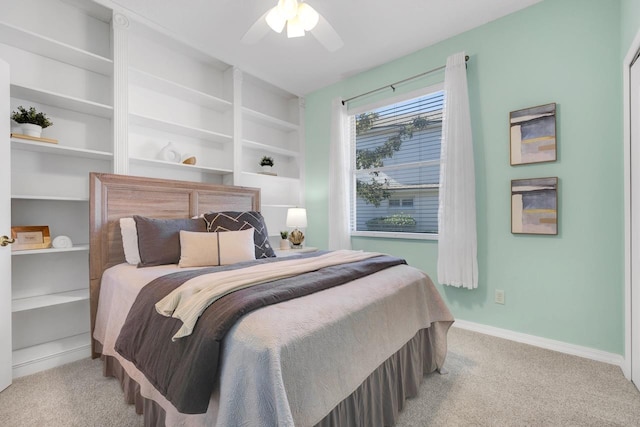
(225, 118)
(62, 67)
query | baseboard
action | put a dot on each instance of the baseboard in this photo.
(51, 361)
(562, 347)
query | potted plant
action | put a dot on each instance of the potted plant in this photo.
(31, 121)
(284, 243)
(267, 163)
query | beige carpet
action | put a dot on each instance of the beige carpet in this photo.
(491, 382)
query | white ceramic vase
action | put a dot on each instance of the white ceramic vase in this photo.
(284, 244)
(170, 154)
(31, 130)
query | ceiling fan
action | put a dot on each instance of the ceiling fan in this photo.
(298, 17)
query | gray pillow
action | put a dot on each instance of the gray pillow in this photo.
(159, 239)
(236, 221)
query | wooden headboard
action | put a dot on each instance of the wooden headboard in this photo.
(118, 196)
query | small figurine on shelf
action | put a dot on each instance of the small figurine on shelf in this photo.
(284, 243)
(31, 121)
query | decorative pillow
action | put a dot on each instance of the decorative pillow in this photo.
(211, 249)
(234, 221)
(198, 249)
(236, 246)
(159, 239)
(130, 240)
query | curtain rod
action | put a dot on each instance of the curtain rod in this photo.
(344, 101)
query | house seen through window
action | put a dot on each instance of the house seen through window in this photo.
(397, 166)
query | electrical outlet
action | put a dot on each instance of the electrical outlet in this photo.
(499, 298)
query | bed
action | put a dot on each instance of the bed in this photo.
(346, 355)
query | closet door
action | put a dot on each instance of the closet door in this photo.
(5, 230)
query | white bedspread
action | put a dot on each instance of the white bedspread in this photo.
(290, 363)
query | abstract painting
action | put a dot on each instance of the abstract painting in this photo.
(534, 206)
(533, 135)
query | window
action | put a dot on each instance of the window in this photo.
(401, 203)
(397, 166)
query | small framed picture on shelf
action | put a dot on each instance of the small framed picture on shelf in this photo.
(30, 237)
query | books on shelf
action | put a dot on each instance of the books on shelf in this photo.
(33, 138)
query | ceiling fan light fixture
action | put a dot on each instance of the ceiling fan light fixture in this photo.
(308, 16)
(288, 8)
(275, 20)
(294, 28)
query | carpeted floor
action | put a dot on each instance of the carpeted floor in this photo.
(491, 382)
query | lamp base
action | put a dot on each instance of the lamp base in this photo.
(296, 237)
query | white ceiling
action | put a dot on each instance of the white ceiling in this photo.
(374, 32)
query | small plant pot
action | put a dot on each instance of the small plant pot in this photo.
(31, 130)
(284, 244)
(267, 168)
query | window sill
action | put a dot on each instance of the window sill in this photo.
(392, 235)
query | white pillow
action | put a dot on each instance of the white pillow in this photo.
(130, 240)
(199, 249)
(236, 246)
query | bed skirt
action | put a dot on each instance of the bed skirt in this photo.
(376, 402)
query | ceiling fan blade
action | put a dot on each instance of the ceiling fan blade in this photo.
(327, 36)
(257, 31)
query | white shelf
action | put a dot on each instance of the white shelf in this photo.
(51, 198)
(269, 120)
(62, 101)
(270, 177)
(48, 148)
(176, 90)
(41, 301)
(50, 354)
(270, 148)
(180, 166)
(50, 48)
(74, 248)
(179, 129)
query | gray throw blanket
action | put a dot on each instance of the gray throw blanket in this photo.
(184, 371)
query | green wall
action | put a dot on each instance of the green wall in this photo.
(630, 22)
(567, 287)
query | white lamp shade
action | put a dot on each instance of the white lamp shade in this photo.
(294, 28)
(297, 217)
(275, 20)
(308, 16)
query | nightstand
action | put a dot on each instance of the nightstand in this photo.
(280, 253)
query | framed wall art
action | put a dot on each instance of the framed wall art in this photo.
(534, 206)
(30, 237)
(533, 135)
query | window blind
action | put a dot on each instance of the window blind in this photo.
(397, 166)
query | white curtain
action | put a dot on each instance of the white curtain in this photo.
(457, 240)
(339, 178)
